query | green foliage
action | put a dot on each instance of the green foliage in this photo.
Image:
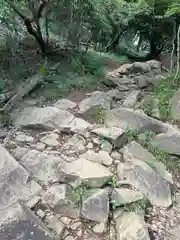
(5, 119)
(147, 106)
(131, 134)
(1, 85)
(164, 90)
(99, 115)
(137, 206)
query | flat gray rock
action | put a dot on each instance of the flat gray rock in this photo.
(19, 152)
(170, 143)
(135, 150)
(24, 225)
(84, 171)
(51, 139)
(141, 176)
(15, 181)
(127, 118)
(47, 117)
(96, 206)
(115, 94)
(62, 200)
(175, 106)
(113, 134)
(131, 99)
(101, 157)
(65, 104)
(131, 226)
(42, 166)
(122, 196)
(79, 125)
(97, 99)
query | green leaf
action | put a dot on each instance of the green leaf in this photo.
(1, 84)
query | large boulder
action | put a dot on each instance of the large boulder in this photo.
(135, 150)
(127, 118)
(15, 181)
(47, 117)
(126, 230)
(141, 176)
(84, 171)
(170, 143)
(97, 99)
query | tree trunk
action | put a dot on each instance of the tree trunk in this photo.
(155, 50)
(36, 34)
(139, 44)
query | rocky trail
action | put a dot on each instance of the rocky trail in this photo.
(92, 169)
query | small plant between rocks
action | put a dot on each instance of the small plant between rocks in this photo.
(163, 91)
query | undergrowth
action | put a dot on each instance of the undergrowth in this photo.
(145, 140)
(79, 72)
(163, 91)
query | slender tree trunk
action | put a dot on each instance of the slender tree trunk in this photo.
(139, 44)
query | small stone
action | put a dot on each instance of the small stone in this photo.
(106, 146)
(33, 202)
(55, 195)
(100, 228)
(54, 224)
(96, 140)
(131, 99)
(69, 238)
(122, 196)
(3, 134)
(51, 139)
(24, 138)
(116, 155)
(141, 81)
(101, 157)
(19, 152)
(58, 197)
(40, 146)
(65, 220)
(115, 94)
(90, 145)
(97, 99)
(106, 158)
(40, 213)
(80, 126)
(113, 134)
(65, 104)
